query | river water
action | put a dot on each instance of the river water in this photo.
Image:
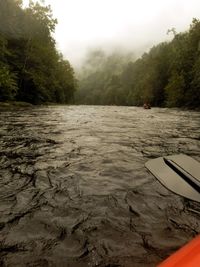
(74, 191)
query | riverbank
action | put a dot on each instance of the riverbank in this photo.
(13, 104)
(20, 104)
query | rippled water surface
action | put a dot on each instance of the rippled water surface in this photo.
(74, 191)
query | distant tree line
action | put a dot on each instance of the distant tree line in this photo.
(167, 76)
(31, 69)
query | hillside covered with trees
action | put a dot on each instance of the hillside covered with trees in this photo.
(167, 76)
(31, 69)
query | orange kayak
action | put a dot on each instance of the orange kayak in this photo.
(187, 256)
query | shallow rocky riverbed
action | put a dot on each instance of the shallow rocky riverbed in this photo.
(74, 191)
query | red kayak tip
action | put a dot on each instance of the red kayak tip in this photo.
(187, 256)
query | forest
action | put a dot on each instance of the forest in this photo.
(167, 76)
(31, 68)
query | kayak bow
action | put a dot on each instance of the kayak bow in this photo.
(187, 256)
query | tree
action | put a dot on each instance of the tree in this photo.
(175, 91)
(31, 67)
(8, 85)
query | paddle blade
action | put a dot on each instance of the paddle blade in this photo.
(178, 173)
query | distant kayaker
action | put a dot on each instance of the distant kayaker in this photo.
(146, 106)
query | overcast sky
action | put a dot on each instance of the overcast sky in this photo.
(111, 24)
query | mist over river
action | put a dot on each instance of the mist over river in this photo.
(74, 191)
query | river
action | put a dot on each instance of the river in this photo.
(74, 191)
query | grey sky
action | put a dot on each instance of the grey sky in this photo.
(135, 25)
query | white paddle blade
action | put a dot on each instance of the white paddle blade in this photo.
(179, 173)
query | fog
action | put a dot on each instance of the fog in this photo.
(126, 25)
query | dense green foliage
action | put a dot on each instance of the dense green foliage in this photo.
(169, 75)
(31, 69)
